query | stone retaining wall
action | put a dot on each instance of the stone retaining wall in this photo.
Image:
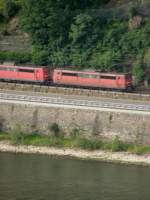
(129, 127)
(16, 43)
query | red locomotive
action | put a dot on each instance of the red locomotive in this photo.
(92, 79)
(27, 74)
(66, 77)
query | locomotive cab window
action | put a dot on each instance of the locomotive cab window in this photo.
(26, 70)
(108, 77)
(69, 74)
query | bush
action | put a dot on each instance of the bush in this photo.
(36, 140)
(15, 56)
(55, 129)
(40, 57)
(139, 149)
(90, 144)
(1, 123)
(4, 136)
(117, 145)
(10, 9)
(138, 72)
(75, 133)
(105, 61)
(1, 18)
(17, 136)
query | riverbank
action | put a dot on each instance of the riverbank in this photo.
(118, 157)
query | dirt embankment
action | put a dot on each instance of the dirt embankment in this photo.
(118, 157)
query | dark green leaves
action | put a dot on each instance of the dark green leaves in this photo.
(86, 33)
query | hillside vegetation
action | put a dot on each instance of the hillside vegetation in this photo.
(107, 35)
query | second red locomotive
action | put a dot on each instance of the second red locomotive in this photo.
(92, 79)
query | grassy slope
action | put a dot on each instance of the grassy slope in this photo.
(19, 138)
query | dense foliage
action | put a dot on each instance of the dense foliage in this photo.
(80, 33)
(87, 33)
(16, 57)
(9, 8)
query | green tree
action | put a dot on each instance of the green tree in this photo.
(81, 30)
(10, 8)
(49, 22)
(146, 59)
(146, 62)
(105, 61)
(78, 32)
(138, 71)
(83, 39)
(40, 56)
(2, 5)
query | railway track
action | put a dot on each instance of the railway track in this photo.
(136, 95)
(142, 91)
(75, 102)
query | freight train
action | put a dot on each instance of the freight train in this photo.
(59, 76)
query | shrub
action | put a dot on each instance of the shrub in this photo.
(90, 144)
(55, 129)
(138, 72)
(1, 18)
(75, 133)
(40, 57)
(117, 145)
(1, 123)
(17, 136)
(10, 9)
(4, 136)
(15, 56)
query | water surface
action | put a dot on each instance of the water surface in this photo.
(36, 177)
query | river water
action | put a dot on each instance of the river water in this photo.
(36, 177)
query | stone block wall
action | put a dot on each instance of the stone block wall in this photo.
(129, 127)
(15, 43)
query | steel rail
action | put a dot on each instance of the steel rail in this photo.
(75, 102)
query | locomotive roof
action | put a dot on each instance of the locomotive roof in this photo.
(91, 72)
(17, 66)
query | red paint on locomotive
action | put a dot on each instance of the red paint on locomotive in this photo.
(92, 79)
(19, 73)
(66, 77)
